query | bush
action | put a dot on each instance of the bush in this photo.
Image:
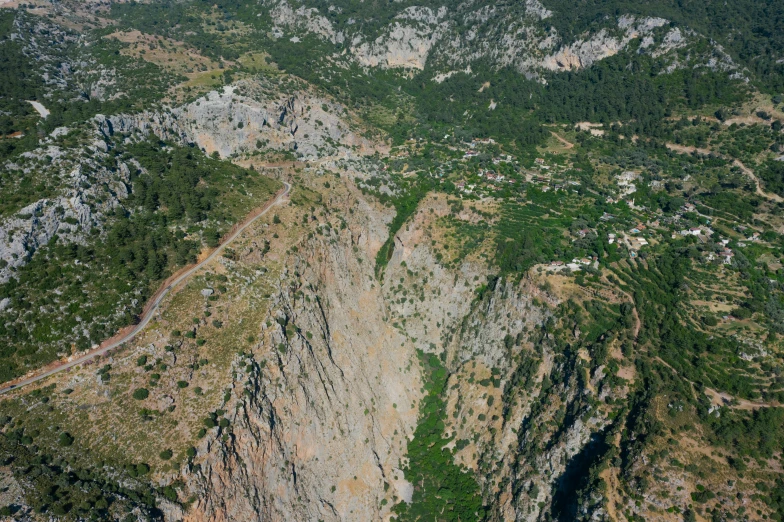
(141, 361)
(182, 384)
(140, 394)
(170, 493)
(166, 454)
(224, 423)
(209, 423)
(191, 452)
(709, 320)
(211, 237)
(65, 439)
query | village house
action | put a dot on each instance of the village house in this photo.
(726, 256)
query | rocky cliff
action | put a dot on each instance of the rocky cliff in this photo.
(322, 421)
(252, 116)
(453, 38)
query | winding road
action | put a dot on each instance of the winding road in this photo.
(151, 307)
(683, 149)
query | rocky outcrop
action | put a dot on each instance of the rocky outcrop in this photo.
(583, 53)
(88, 189)
(406, 43)
(241, 119)
(302, 20)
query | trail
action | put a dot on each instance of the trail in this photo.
(152, 304)
(567, 144)
(683, 149)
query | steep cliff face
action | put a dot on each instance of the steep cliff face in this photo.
(323, 421)
(321, 425)
(453, 38)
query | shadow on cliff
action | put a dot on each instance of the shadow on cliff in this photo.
(576, 477)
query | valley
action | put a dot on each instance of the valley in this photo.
(449, 261)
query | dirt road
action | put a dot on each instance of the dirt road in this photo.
(683, 149)
(152, 305)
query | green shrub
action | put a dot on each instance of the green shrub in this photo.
(710, 320)
(140, 394)
(65, 439)
(166, 454)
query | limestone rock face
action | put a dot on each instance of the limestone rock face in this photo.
(241, 119)
(238, 120)
(322, 432)
(452, 39)
(318, 435)
(407, 41)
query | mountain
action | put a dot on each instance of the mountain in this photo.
(363, 260)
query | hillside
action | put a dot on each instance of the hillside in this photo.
(528, 264)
